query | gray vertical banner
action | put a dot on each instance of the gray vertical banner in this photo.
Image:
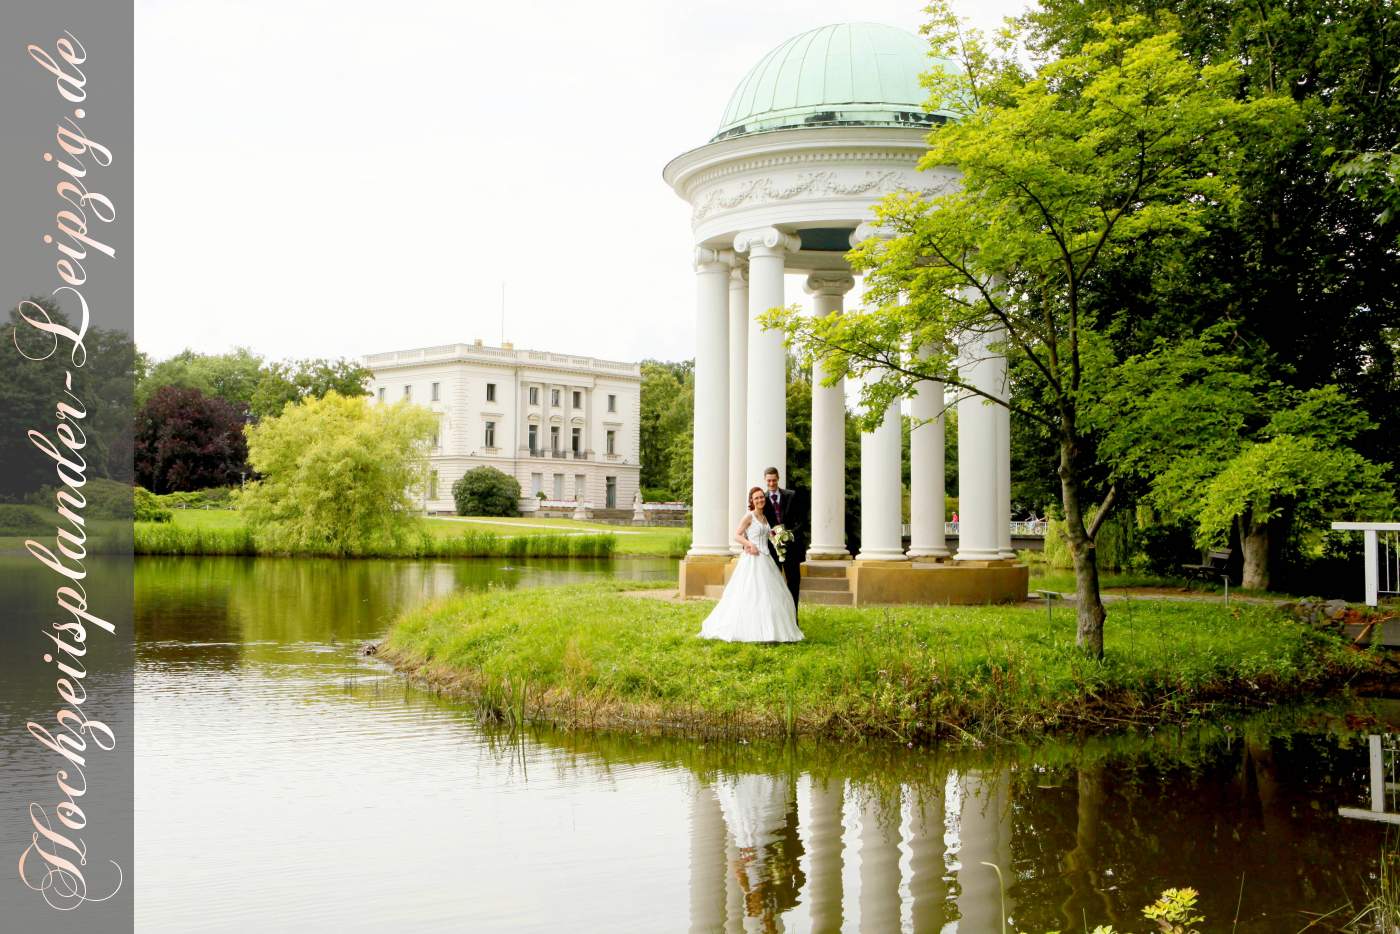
(67, 654)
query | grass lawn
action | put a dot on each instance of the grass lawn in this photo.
(590, 656)
(221, 531)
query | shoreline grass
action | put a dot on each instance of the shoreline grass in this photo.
(222, 532)
(587, 656)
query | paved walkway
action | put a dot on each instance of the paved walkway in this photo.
(573, 529)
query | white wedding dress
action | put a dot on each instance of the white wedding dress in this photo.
(756, 606)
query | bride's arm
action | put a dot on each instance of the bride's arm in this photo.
(741, 538)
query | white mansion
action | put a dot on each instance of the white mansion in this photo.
(562, 425)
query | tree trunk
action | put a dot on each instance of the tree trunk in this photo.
(1254, 541)
(1089, 634)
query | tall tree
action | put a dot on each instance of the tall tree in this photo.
(230, 376)
(284, 382)
(1125, 145)
(186, 440)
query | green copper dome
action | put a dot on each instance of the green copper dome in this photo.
(846, 74)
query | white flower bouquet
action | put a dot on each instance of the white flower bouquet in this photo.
(780, 537)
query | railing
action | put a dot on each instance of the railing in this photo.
(1019, 528)
(1382, 557)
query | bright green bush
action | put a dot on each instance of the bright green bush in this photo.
(148, 507)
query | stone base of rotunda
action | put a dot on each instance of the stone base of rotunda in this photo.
(937, 583)
(701, 571)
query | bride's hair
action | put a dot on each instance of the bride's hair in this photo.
(752, 490)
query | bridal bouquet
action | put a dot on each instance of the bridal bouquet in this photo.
(780, 536)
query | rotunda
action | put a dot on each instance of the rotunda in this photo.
(821, 129)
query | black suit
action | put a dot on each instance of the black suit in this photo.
(792, 514)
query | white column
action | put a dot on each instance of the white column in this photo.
(881, 490)
(707, 862)
(824, 845)
(828, 435)
(979, 535)
(926, 471)
(766, 443)
(710, 515)
(739, 479)
(879, 866)
(1004, 471)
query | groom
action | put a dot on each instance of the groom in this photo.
(787, 508)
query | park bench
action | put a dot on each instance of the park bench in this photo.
(1216, 567)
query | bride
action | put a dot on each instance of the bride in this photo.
(756, 606)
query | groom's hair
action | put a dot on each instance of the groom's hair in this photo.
(771, 471)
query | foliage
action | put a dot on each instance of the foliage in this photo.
(1116, 544)
(231, 376)
(1122, 143)
(214, 497)
(34, 384)
(147, 507)
(337, 474)
(17, 519)
(666, 426)
(901, 673)
(186, 440)
(284, 382)
(486, 491)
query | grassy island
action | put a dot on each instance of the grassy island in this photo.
(594, 656)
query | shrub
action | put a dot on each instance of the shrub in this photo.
(486, 491)
(148, 507)
(22, 520)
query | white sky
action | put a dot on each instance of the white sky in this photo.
(319, 178)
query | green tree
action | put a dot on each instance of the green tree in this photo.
(1213, 442)
(229, 376)
(1125, 145)
(338, 475)
(666, 430)
(284, 382)
(486, 491)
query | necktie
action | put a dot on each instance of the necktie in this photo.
(777, 513)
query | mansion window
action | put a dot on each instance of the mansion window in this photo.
(612, 403)
(612, 441)
(432, 485)
(490, 392)
(490, 434)
(578, 399)
(381, 393)
(437, 438)
(437, 394)
(577, 441)
(408, 392)
(534, 395)
(534, 439)
(558, 486)
(579, 481)
(611, 497)
(554, 398)
(554, 438)
(536, 484)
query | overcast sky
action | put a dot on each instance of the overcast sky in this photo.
(319, 178)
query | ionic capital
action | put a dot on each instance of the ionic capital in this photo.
(739, 277)
(766, 241)
(829, 283)
(867, 230)
(705, 257)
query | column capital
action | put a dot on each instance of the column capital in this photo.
(707, 257)
(739, 277)
(829, 283)
(866, 230)
(766, 240)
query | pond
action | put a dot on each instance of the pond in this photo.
(285, 782)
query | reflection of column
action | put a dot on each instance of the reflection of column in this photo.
(927, 888)
(739, 482)
(926, 475)
(710, 517)
(879, 866)
(979, 538)
(824, 828)
(985, 837)
(766, 442)
(828, 435)
(707, 862)
(733, 892)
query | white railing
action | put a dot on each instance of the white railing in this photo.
(1382, 551)
(1020, 528)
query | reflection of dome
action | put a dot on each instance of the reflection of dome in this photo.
(846, 74)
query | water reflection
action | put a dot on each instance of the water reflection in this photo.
(643, 833)
(1383, 797)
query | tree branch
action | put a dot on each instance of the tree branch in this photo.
(1102, 514)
